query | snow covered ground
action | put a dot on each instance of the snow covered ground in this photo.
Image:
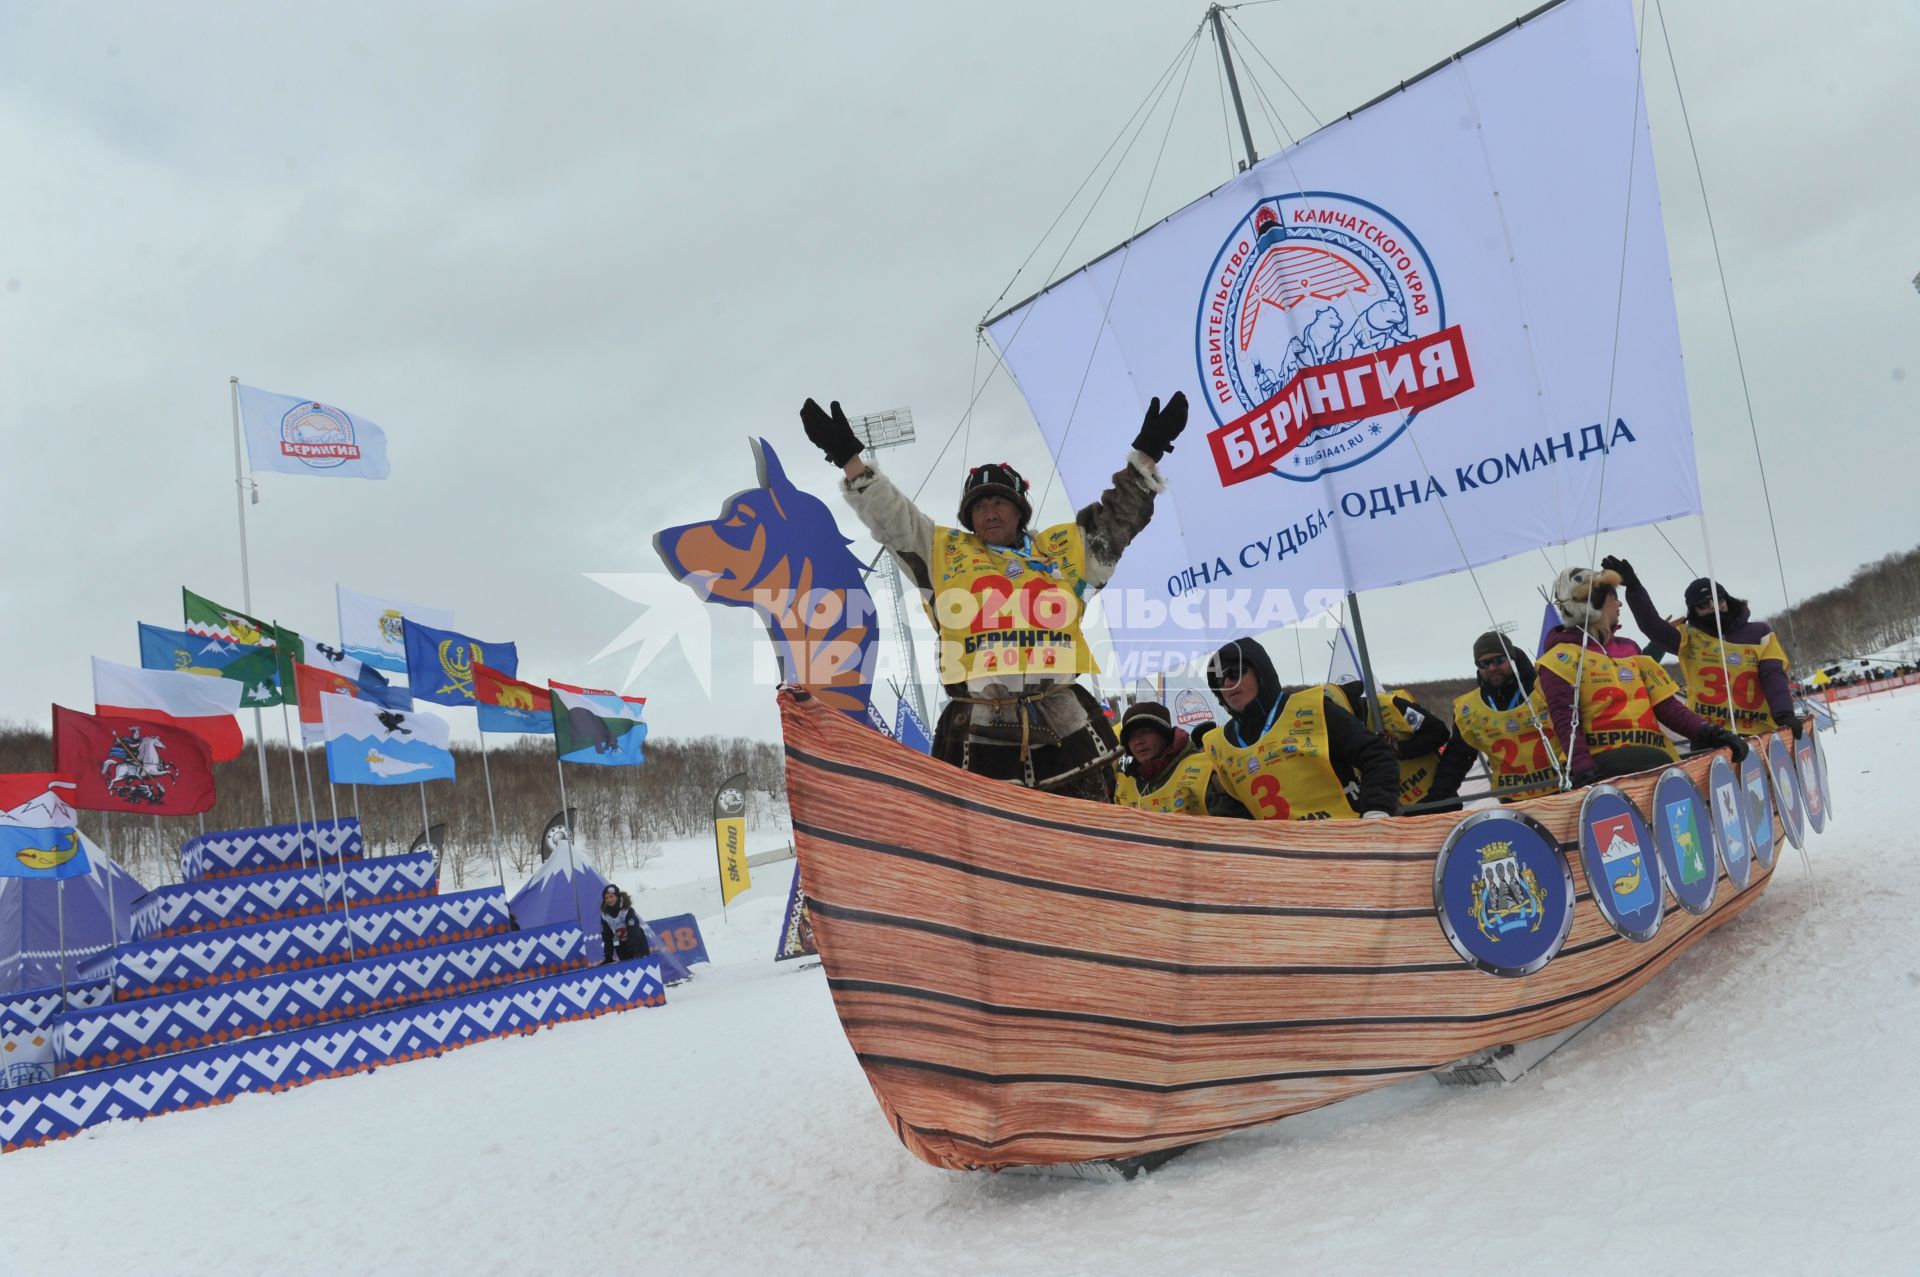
(1754, 1111)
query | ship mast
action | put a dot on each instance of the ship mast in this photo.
(1246, 141)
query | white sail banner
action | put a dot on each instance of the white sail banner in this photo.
(1398, 339)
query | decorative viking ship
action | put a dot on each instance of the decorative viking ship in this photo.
(1030, 980)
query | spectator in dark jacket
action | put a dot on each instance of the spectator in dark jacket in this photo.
(621, 935)
(1292, 755)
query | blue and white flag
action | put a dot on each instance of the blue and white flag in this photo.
(909, 730)
(299, 436)
(371, 630)
(440, 663)
(165, 649)
(37, 837)
(373, 685)
(369, 744)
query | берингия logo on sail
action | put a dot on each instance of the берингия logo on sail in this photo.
(1321, 332)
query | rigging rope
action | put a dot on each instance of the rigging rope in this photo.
(1726, 298)
(1151, 99)
(1120, 271)
(1276, 71)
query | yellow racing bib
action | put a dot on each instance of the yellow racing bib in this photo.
(1288, 773)
(1712, 693)
(1010, 609)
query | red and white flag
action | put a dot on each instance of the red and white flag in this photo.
(132, 764)
(204, 706)
(311, 682)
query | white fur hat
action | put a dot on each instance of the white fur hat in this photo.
(1573, 594)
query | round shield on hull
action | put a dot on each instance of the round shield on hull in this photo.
(1813, 794)
(1503, 893)
(1756, 807)
(1786, 791)
(1684, 834)
(1617, 851)
(1820, 759)
(1729, 825)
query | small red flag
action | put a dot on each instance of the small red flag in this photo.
(310, 682)
(131, 764)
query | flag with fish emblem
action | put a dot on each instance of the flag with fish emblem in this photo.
(440, 662)
(37, 835)
(509, 705)
(597, 727)
(132, 764)
(368, 744)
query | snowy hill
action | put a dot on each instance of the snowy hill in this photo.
(1753, 1111)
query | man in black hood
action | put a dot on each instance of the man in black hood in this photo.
(1505, 718)
(1293, 756)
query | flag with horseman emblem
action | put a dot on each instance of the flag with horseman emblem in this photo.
(132, 764)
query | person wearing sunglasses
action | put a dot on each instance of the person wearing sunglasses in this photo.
(1504, 720)
(1621, 700)
(1296, 755)
(1007, 601)
(1734, 667)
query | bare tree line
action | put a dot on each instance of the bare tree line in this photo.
(1878, 607)
(621, 813)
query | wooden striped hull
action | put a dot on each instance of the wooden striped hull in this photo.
(1029, 979)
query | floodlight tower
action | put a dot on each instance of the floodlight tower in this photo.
(881, 430)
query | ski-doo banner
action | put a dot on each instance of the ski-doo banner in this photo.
(1437, 332)
(730, 837)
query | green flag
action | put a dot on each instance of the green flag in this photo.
(289, 647)
(258, 674)
(208, 619)
(266, 674)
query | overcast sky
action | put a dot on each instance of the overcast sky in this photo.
(572, 256)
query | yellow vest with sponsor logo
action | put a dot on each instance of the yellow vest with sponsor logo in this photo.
(1709, 688)
(1513, 741)
(1007, 609)
(1183, 792)
(1617, 696)
(1288, 773)
(1416, 774)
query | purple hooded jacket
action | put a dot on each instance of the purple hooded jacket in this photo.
(1736, 629)
(1671, 713)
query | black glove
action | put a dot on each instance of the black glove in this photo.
(1797, 724)
(1586, 776)
(1717, 737)
(1628, 577)
(1162, 426)
(1199, 734)
(832, 435)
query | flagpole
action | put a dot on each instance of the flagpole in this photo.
(566, 817)
(486, 770)
(426, 829)
(60, 908)
(293, 783)
(113, 918)
(346, 910)
(306, 761)
(246, 591)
